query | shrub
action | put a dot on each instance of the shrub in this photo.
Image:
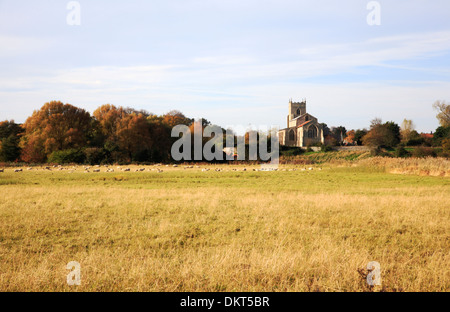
(326, 148)
(415, 141)
(422, 151)
(290, 151)
(94, 155)
(67, 156)
(401, 152)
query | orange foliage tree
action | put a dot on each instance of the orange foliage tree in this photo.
(125, 131)
(175, 117)
(56, 126)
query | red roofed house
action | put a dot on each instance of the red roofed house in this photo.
(302, 129)
(427, 135)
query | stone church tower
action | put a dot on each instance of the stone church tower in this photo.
(302, 129)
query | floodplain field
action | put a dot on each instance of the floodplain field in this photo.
(187, 228)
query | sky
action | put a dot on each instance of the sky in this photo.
(235, 63)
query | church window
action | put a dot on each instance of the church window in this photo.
(312, 132)
(291, 135)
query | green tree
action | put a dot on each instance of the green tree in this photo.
(441, 134)
(359, 134)
(339, 133)
(10, 133)
(394, 138)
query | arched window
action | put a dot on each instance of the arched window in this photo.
(291, 135)
(312, 132)
(298, 111)
(306, 118)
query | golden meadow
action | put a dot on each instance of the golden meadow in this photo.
(301, 228)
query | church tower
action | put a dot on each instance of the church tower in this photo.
(296, 109)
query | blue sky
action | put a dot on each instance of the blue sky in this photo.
(232, 62)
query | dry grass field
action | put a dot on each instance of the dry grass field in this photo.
(193, 230)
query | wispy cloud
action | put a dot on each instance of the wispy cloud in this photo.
(227, 61)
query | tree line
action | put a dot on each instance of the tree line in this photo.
(389, 135)
(63, 133)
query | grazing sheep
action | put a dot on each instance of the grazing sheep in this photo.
(96, 170)
(127, 169)
(18, 170)
(29, 168)
(2, 170)
(142, 169)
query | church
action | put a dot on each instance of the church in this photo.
(302, 129)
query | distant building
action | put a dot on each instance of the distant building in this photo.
(427, 135)
(302, 129)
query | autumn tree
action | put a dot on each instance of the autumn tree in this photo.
(382, 135)
(125, 132)
(107, 116)
(161, 139)
(175, 117)
(406, 129)
(350, 138)
(443, 115)
(55, 127)
(133, 136)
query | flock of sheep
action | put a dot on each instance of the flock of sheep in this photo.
(107, 168)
